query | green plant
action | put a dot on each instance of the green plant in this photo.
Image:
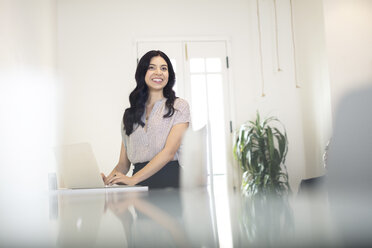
(261, 150)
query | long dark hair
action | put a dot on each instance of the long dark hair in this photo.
(140, 94)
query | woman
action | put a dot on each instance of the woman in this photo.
(152, 127)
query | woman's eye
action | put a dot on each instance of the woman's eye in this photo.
(164, 68)
(151, 67)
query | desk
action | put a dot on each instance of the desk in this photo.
(170, 218)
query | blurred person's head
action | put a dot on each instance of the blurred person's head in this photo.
(349, 169)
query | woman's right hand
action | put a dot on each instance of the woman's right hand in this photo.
(107, 179)
(121, 167)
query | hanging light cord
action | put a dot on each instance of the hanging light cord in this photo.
(260, 45)
(276, 38)
(294, 47)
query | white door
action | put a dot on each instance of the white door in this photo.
(208, 91)
(202, 79)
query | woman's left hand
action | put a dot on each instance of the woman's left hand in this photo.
(120, 178)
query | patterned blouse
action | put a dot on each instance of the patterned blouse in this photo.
(143, 145)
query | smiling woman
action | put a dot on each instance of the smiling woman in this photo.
(152, 128)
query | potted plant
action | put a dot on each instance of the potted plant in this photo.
(261, 149)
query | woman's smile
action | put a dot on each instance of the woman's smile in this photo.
(157, 80)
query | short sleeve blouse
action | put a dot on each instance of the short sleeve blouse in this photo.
(143, 145)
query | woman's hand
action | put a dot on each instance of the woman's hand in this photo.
(120, 178)
(121, 167)
(109, 177)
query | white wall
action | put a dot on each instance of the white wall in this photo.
(313, 78)
(348, 25)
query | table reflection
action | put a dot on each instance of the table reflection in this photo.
(158, 218)
(187, 218)
(79, 219)
(264, 221)
(154, 220)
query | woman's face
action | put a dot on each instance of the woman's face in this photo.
(157, 74)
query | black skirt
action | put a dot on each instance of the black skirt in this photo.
(168, 176)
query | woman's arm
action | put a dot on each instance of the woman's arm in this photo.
(121, 168)
(159, 161)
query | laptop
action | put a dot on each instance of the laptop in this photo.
(78, 169)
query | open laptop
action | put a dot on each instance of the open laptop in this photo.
(78, 168)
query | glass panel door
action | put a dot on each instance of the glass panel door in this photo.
(208, 90)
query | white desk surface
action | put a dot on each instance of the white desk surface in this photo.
(188, 218)
(101, 190)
